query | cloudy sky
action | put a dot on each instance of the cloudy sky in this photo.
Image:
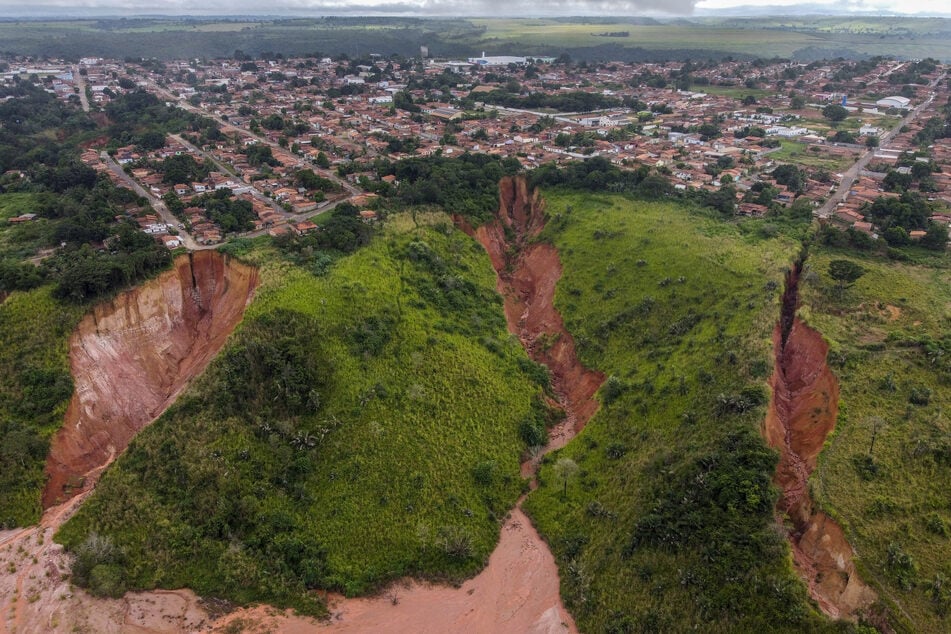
(454, 7)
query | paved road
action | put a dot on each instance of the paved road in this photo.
(849, 175)
(226, 169)
(157, 204)
(81, 84)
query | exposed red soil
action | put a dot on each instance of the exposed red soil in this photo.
(802, 413)
(527, 274)
(517, 592)
(130, 357)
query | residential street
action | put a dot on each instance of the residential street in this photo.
(157, 204)
(849, 175)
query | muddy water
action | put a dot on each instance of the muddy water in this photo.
(802, 413)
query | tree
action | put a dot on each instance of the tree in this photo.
(790, 176)
(797, 102)
(835, 113)
(876, 425)
(896, 236)
(936, 238)
(845, 273)
(565, 469)
(322, 161)
(871, 141)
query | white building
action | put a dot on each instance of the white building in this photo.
(894, 102)
(499, 60)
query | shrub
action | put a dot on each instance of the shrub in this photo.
(920, 395)
(613, 388)
(455, 542)
(866, 467)
(936, 524)
(484, 472)
(533, 432)
(96, 566)
(901, 565)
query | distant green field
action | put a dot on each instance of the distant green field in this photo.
(749, 41)
(397, 453)
(696, 37)
(888, 338)
(677, 308)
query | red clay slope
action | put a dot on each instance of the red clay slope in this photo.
(801, 415)
(527, 274)
(130, 358)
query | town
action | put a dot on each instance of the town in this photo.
(294, 137)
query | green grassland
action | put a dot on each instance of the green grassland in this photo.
(21, 241)
(668, 524)
(662, 36)
(35, 387)
(757, 37)
(803, 154)
(167, 38)
(888, 337)
(15, 204)
(358, 427)
(737, 92)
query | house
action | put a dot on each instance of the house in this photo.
(199, 187)
(171, 242)
(751, 209)
(180, 189)
(304, 227)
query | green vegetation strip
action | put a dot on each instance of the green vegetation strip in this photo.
(35, 387)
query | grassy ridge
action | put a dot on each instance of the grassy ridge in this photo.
(668, 523)
(889, 348)
(376, 433)
(35, 387)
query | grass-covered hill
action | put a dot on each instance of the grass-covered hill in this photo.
(668, 522)
(885, 475)
(361, 425)
(35, 387)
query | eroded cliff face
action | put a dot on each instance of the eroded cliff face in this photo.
(802, 413)
(527, 274)
(130, 358)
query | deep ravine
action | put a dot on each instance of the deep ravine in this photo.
(518, 591)
(802, 413)
(130, 358)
